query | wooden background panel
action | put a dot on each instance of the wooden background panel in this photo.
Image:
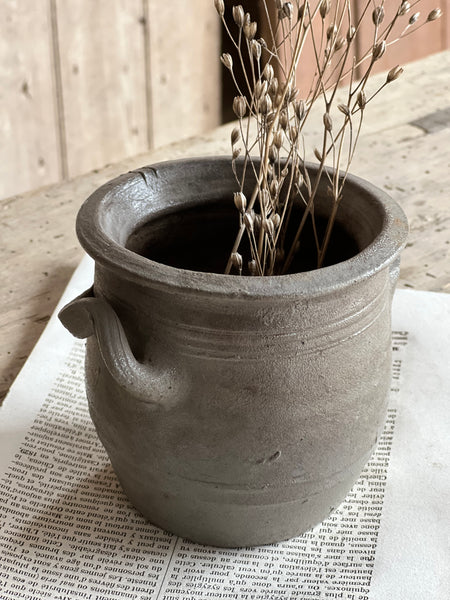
(85, 83)
(29, 156)
(101, 51)
(184, 69)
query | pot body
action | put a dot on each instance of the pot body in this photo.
(235, 411)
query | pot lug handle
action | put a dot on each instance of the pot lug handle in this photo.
(88, 315)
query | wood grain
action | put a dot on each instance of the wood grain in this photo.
(29, 156)
(39, 250)
(84, 83)
(184, 68)
(101, 49)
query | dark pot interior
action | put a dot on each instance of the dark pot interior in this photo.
(200, 238)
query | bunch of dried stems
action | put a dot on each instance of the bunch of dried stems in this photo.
(271, 100)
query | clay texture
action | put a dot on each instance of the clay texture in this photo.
(236, 411)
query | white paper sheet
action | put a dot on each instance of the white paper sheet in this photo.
(67, 530)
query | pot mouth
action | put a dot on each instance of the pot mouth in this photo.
(113, 213)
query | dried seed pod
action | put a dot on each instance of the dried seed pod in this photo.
(220, 7)
(248, 221)
(236, 260)
(278, 139)
(340, 43)
(331, 31)
(286, 11)
(276, 220)
(273, 87)
(268, 72)
(239, 106)
(378, 15)
(274, 188)
(252, 267)
(298, 177)
(268, 227)
(324, 8)
(327, 122)
(436, 13)
(361, 99)
(414, 18)
(394, 73)
(238, 15)
(227, 60)
(293, 133)
(260, 89)
(301, 11)
(270, 118)
(264, 198)
(240, 201)
(235, 136)
(285, 172)
(250, 29)
(284, 121)
(273, 154)
(344, 109)
(292, 94)
(404, 8)
(351, 33)
(287, 92)
(257, 223)
(265, 104)
(236, 153)
(255, 48)
(378, 50)
(318, 154)
(299, 109)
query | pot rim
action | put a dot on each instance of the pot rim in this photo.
(108, 253)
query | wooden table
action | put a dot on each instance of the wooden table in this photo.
(404, 149)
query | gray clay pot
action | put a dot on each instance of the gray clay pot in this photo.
(236, 411)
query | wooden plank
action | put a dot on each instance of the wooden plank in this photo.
(416, 175)
(184, 68)
(101, 48)
(28, 149)
(445, 24)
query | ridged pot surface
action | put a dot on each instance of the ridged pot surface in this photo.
(236, 411)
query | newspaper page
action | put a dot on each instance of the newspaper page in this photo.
(67, 531)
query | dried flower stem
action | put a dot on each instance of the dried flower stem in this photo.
(280, 114)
